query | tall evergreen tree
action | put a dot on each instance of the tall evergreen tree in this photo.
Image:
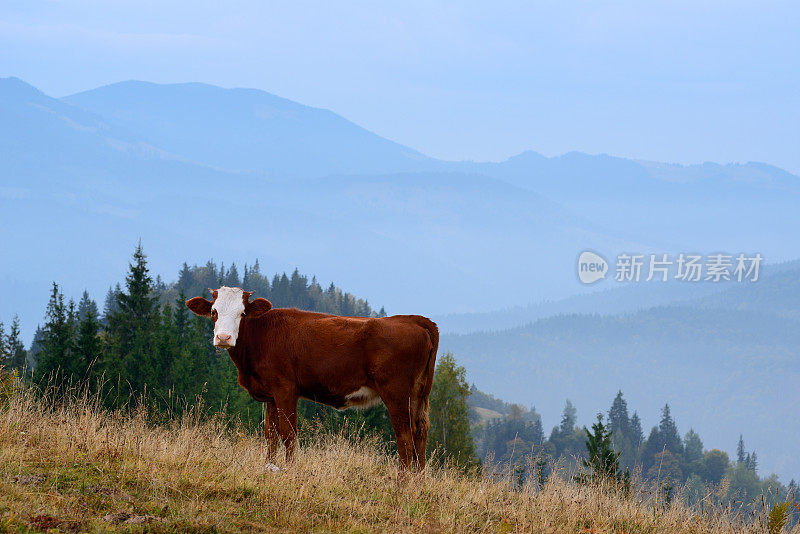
(569, 416)
(618, 420)
(110, 306)
(740, 451)
(693, 447)
(670, 437)
(232, 277)
(752, 461)
(88, 346)
(603, 461)
(185, 278)
(17, 355)
(619, 424)
(132, 360)
(57, 360)
(637, 435)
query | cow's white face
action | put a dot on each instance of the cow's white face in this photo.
(230, 307)
(227, 312)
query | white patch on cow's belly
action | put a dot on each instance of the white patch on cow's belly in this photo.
(363, 397)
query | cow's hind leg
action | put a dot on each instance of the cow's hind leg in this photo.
(421, 410)
(271, 429)
(401, 423)
(421, 427)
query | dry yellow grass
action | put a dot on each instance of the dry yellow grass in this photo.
(77, 468)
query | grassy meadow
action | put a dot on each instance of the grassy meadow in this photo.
(73, 467)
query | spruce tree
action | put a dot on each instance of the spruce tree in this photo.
(637, 435)
(569, 417)
(232, 277)
(110, 307)
(619, 424)
(654, 444)
(602, 465)
(740, 451)
(618, 420)
(132, 331)
(752, 461)
(692, 447)
(670, 437)
(538, 432)
(17, 355)
(88, 346)
(57, 361)
(185, 279)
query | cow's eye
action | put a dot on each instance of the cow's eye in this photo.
(243, 314)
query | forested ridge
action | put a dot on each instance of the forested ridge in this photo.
(146, 347)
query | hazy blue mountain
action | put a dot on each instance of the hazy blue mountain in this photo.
(707, 207)
(673, 208)
(247, 129)
(613, 298)
(416, 242)
(727, 363)
(616, 298)
(144, 160)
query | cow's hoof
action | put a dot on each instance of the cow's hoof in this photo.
(271, 468)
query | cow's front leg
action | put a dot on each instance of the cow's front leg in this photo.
(271, 429)
(287, 422)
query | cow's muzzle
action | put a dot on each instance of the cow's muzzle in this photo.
(223, 341)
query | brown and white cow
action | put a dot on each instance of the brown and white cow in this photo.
(285, 354)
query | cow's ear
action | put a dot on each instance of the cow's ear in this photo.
(199, 306)
(258, 307)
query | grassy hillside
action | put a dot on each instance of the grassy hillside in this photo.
(76, 468)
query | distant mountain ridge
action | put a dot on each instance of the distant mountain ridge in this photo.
(247, 129)
(307, 182)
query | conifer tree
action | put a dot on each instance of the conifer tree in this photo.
(740, 451)
(132, 359)
(17, 355)
(88, 346)
(603, 461)
(232, 277)
(692, 447)
(752, 461)
(185, 278)
(569, 417)
(637, 435)
(618, 419)
(619, 424)
(670, 437)
(57, 359)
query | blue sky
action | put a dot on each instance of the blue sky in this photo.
(678, 81)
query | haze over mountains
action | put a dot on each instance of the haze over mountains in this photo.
(198, 171)
(726, 362)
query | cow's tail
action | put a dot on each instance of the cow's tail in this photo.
(430, 366)
(433, 334)
(421, 405)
